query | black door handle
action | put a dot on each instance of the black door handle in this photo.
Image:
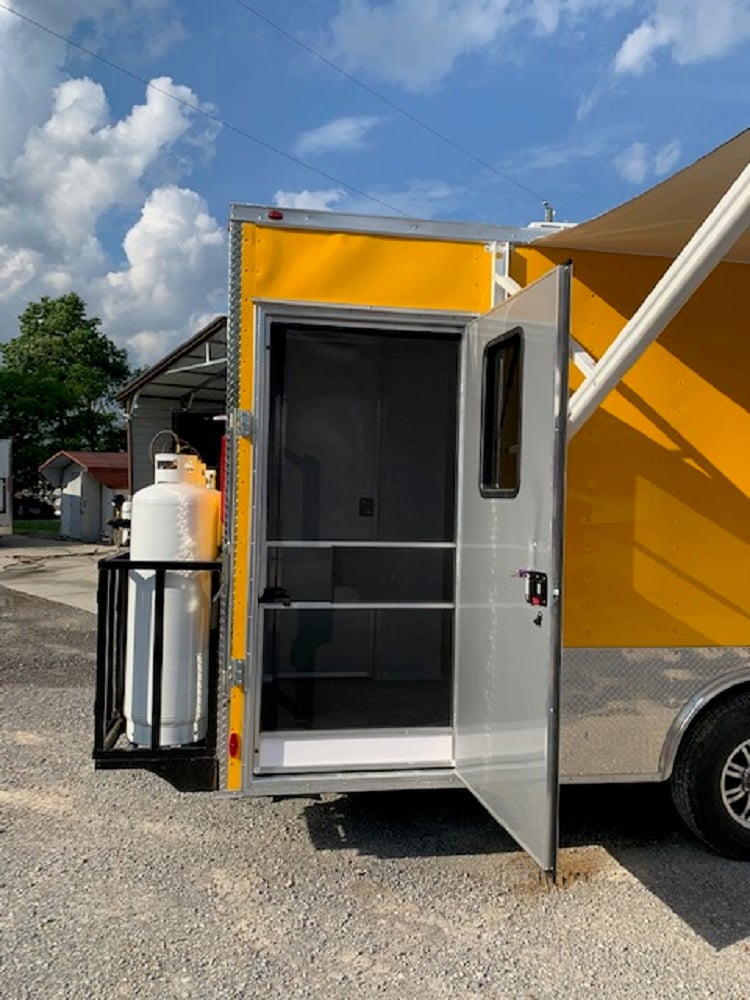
(276, 595)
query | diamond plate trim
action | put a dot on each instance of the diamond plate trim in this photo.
(233, 323)
(622, 709)
(232, 397)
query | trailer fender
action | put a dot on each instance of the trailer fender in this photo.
(690, 711)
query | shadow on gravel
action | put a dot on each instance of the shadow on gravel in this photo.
(634, 824)
(639, 827)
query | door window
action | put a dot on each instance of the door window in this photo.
(501, 417)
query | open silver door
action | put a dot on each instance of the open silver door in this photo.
(511, 496)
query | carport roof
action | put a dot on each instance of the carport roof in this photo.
(194, 371)
(110, 468)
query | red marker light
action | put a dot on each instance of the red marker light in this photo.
(234, 745)
(275, 214)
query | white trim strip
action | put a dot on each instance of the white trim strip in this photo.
(287, 544)
(354, 751)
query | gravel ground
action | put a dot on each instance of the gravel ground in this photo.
(115, 885)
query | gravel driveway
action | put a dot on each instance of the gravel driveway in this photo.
(115, 885)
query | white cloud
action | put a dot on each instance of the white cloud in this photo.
(692, 30)
(65, 166)
(315, 201)
(635, 53)
(631, 164)
(421, 199)
(345, 134)
(587, 103)
(31, 61)
(76, 166)
(139, 28)
(74, 169)
(560, 154)
(17, 268)
(415, 44)
(546, 13)
(637, 163)
(175, 267)
(412, 43)
(667, 158)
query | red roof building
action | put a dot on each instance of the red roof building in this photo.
(88, 482)
(110, 468)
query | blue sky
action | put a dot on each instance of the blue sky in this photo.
(112, 184)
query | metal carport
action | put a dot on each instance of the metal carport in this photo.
(182, 393)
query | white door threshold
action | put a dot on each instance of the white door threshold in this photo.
(354, 750)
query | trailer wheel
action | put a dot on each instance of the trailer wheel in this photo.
(711, 777)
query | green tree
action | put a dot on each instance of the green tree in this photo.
(58, 378)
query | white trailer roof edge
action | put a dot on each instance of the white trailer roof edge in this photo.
(385, 225)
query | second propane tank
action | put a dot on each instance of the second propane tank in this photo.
(175, 520)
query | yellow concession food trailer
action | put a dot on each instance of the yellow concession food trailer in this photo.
(482, 527)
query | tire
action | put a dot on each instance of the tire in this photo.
(711, 777)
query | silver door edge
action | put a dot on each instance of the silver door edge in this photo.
(558, 537)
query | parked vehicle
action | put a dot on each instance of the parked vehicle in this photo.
(29, 507)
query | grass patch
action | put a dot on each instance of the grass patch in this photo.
(49, 527)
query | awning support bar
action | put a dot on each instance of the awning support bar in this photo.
(715, 237)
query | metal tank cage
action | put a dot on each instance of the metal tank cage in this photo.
(193, 767)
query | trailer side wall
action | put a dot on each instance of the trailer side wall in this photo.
(657, 547)
(658, 523)
(287, 265)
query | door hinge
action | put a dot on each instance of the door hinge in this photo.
(244, 424)
(236, 672)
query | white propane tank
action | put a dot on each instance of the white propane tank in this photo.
(175, 520)
(125, 514)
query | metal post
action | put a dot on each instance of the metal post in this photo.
(213, 664)
(101, 719)
(714, 238)
(157, 658)
(121, 632)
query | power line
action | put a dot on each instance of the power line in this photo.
(387, 101)
(150, 85)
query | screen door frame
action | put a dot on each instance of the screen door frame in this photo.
(337, 751)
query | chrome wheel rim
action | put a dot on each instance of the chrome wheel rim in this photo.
(735, 784)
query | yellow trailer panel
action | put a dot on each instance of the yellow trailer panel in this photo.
(353, 269)
(657, 533)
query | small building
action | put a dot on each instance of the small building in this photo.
(181, 398)
(88, 482)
